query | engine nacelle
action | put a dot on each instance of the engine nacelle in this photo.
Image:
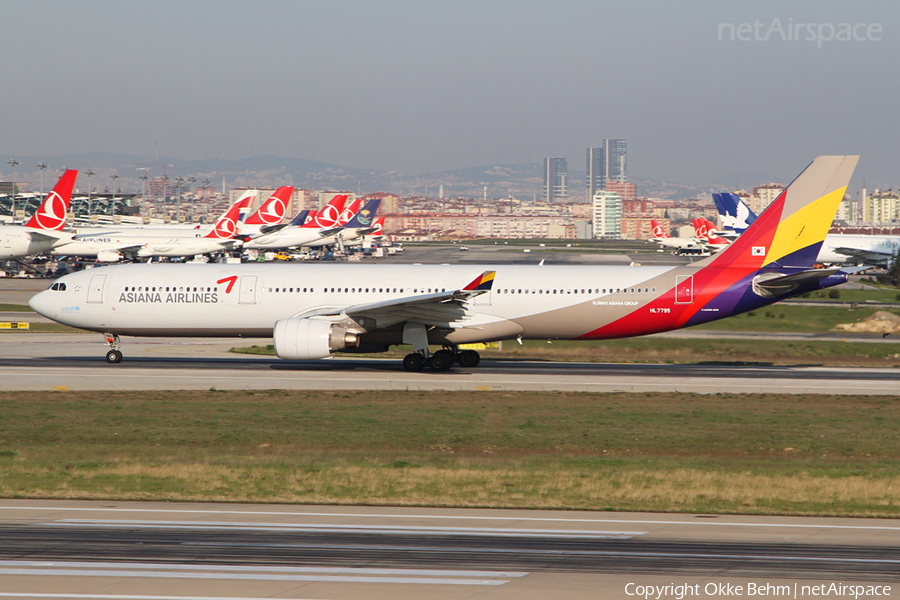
(304, 339)
(109, 256)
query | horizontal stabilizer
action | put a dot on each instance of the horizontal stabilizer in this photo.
(265, 229)
(772, 285)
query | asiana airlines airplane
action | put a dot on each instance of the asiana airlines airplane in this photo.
(314, 311)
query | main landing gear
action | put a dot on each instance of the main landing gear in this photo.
(114, 356)
(441, 360)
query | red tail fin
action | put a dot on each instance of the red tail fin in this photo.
(330, 214)
(349, 212)
(51, 214)
(658, 231)
(227, 225)
(273, 210)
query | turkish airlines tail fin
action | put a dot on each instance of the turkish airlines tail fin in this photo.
(51, 214)
(227, 226)
(330, 213)
(349, 212)
(272, 210)
(378, 226)
(658, 231)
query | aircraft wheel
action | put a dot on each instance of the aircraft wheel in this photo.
(468, 358)
(413, 362)
(113, 357)
(441, 360)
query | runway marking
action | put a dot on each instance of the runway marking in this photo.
(829, 386)
(60, 572)
(557, 552)
(450, 517)
(372, 529)
(263, 569)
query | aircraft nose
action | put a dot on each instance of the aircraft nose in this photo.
(42, 303)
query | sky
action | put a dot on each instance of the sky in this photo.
(423, 86)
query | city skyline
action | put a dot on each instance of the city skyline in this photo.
(428, 87)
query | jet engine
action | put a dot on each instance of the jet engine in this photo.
(304, 339)
(109, 256)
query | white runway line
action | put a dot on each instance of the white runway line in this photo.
(505, 517)
(370, 529)
(261, 569)
(246, 576)
(556, 553)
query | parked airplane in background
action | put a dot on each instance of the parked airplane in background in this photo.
(45, 228)
(270, 214)
(315, 237)
(858, 248)
(330, 214)
(315, 310)
(735, 214)
(707, 234)
(132, 244)
(359, 225)
(662, 237)
(376, 234)
(169, 230)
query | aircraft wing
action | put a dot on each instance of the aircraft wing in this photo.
(440, 308)
(129, 252)
(871, 257)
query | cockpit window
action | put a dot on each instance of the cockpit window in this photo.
(58, 287)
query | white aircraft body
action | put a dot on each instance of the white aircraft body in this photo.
(166, 231)
(313, 311)
(46, 226)
(114, 246)
(662, 237)
(859, 248)
(350, 228)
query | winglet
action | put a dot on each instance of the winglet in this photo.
(482, 282)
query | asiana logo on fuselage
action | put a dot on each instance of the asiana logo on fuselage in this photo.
(169, 297)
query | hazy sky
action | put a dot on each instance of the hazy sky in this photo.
(419, 86)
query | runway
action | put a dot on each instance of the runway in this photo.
(58, 549)
(61, 362)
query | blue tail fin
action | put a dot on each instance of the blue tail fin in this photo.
(366, 215)
(736, 215)
(300, 219)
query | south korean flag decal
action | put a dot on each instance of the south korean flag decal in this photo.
(758, 251)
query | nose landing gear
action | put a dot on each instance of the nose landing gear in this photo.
(114, 356)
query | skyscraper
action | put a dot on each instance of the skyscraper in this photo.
(616, 154)
(556, 173)
(607, 163)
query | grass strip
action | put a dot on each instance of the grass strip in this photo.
(754, 454)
